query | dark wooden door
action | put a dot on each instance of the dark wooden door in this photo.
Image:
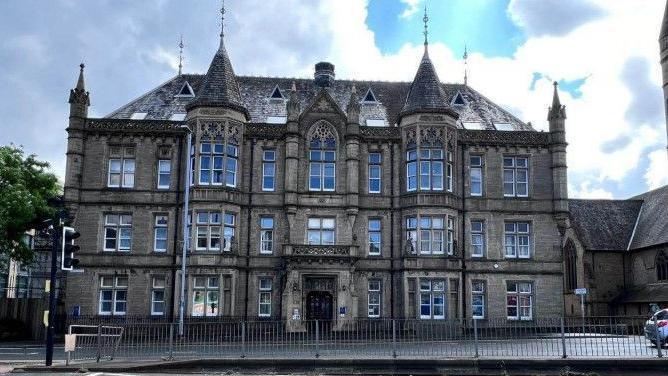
(319, 306)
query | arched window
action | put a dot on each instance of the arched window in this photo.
(322, 159)
(570, 258)
(662, 266)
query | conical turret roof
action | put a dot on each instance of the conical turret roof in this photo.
(219, 87)
(426, 93)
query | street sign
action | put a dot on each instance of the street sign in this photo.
(581, 291)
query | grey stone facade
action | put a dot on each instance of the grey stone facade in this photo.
(341, 279)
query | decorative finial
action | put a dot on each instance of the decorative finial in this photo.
(222, 25)
(80, 82)
(466, 57)
(556, 111)
(425, 19)
(181, 55)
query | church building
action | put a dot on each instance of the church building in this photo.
(318, 198)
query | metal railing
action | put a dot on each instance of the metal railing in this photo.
(596, 337)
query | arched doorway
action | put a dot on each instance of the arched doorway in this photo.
(319, 306)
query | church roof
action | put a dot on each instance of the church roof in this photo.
(255, 95)
(604, 225)
(426, 92)
(639, 222)
(652, 226)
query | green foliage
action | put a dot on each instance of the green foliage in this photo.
(26, 191)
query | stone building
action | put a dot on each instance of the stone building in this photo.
(316, 199)
(618, 249)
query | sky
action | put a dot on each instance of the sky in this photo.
(603, 53)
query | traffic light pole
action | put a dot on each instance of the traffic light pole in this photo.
(52, 294)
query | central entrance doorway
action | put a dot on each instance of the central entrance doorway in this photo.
(319, 306)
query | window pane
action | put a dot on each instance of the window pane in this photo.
(374, 224)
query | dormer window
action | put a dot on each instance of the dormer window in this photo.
(277, 119)
(138, 115)
(276, 93)
(369, 97)
(458, 100)
(476, 125)
(503, 127)
(186, 91)
(375, 122)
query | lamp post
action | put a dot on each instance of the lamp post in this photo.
(184, 251)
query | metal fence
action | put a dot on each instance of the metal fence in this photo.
(595, 337)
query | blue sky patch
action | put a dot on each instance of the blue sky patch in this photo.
(454, 23)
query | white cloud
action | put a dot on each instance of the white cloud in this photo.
(552, 17)
(584, 190)
(412, 6)
(657, 173)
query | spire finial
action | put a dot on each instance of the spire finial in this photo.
(556, 111)
(466, 58)
(80, 81)
(222, 25)
(425, 19)
(556, 103)
(181, 55)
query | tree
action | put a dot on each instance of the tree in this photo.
(27, 195)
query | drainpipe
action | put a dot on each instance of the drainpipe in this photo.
(463, 245)
(176, 233)
(186, 198)
(248, 224)
(392, 232)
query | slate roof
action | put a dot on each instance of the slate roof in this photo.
(653, 220)
(220, 86)
(650, 293)
(618, 225)
(604, 225)
(425, 92)
(664, 23)
(163, 101)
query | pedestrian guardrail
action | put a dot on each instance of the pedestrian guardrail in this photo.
(609, 337)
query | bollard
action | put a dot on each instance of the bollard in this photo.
(394, 338)
(475, 337)
(563, 339)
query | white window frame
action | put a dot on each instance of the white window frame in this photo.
(124, 158)
(449, 176)
(433, 289)
(475, 165)
(320, 226)
(265, 285)
(208, 227)
(375, 165)
(119, 295)
(517, 239)
(229, 230)
(268, 162)
(206, 289)
(477, 238)
(122, 225)
(513, 168)
(266, 235)
(451, 235)
(425, 231)
(375, 294)
(522, 291)
(158, 286)
(164, 169)
(428, 159)
(375, 231)
(478, 289)
(411, 164)
(326, 161)
(160, 231)
(223, 172)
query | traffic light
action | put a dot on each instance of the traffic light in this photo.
(68, 262)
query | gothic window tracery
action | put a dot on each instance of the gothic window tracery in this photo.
(570, 257)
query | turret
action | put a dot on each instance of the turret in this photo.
(663, 48)
(556, 117)
(79, 102)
